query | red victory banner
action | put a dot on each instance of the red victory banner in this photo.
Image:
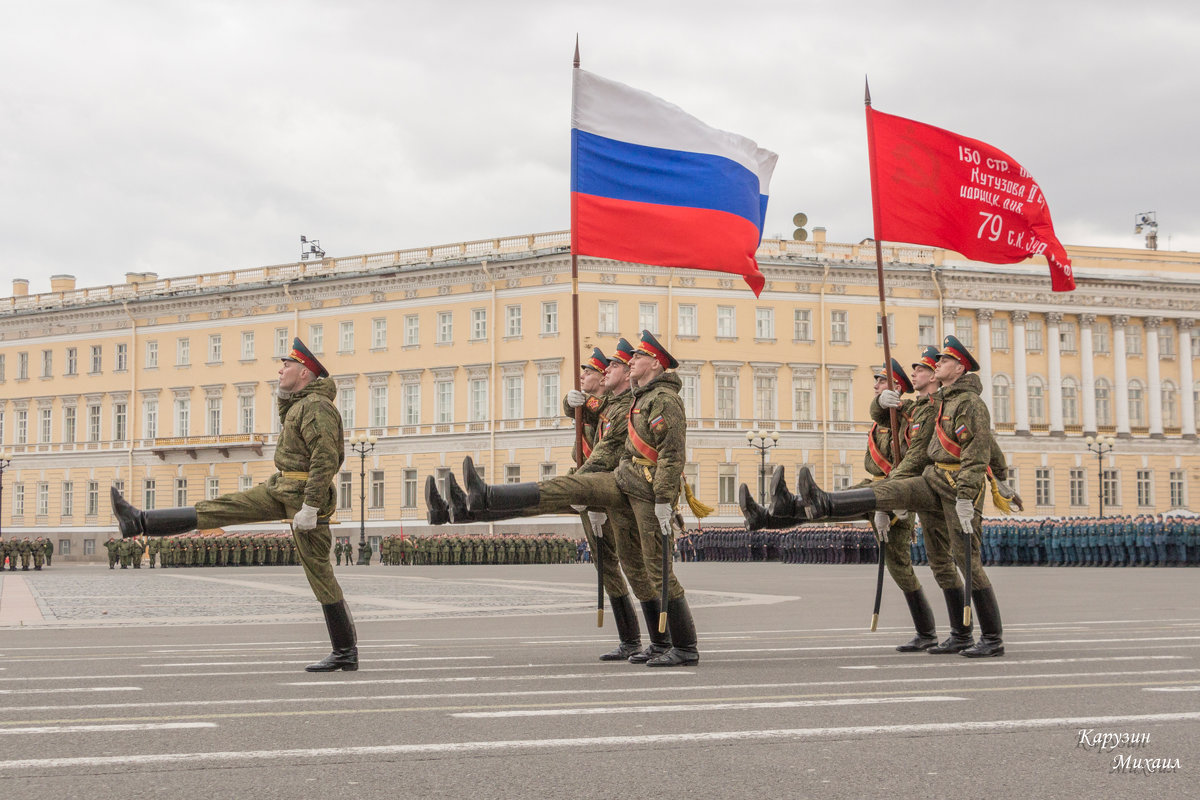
(934, 187)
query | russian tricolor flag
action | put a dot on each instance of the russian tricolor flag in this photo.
(652, 184)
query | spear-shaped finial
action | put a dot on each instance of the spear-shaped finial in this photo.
(577, 51)
(866, 83)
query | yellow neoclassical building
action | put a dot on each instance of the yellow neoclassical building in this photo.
(164, 386)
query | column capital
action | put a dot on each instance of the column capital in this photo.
(1054, 317)
(1120, 320)
(984, 314)
(1186, 324)
(1153, 322)
(1020, 316)
(1087, 319)
(949, 312)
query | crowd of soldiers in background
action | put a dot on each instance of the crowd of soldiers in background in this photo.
(544, 548)
(199, 550)
(1145, 540)
(37, 552)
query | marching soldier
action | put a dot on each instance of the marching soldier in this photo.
(308, 455)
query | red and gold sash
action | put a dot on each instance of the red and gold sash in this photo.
(641, 445)
(884, 465)
(587, 448)
(949, 445)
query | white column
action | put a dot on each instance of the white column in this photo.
(983, 350)
(1088, 376)
(1120, 378)
(1020, 379)
(1187, 404)
(1153, 377)
(1055, 373)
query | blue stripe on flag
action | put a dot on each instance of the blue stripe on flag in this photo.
(622, 171)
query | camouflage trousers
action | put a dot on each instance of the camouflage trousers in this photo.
(632, 514)
(259, 505)
(899, 554)
(617, 554)
(937, 549)
(932, 493)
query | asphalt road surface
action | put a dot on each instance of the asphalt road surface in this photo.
(483, 682)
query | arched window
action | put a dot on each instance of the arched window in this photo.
(1137, 405)
(1103, 403)
(1170, 405)
(1070, 401)
(1037, 401)
(1001, 400)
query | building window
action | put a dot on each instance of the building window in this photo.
(1078, 485)
(1112, 487)
(316, 339)
(246, 413)
(379, 333)
(1, 367)
(548, 394)
(842, 475)
(22, 366)
(412, 330)
(1102, 337)
(648, 317)
(120, 415)
(926, 331)
(891, 330)
(122, 359)
(148, 493)
(839, 399)
(726, 396)
(1000, 334)
(214, 348)
(377, 488)
(1037, 400)
(727, 483)
(47, 363)
(411, 411)
(73, 358)
(550, 318)
(93, 423)
(839, 327)
(1170, 405)
(514, 396)
(606, 320)
(183, 352)
(1103, 406)
(18, 500)
(726, 322)
(410, 488)
(689, 393)
(802, 325)
(964, 329)
(183, 410)
(345, 490)
(445, 327)
(548, 471)
(512, 473)
(152, 354)
(22, 429)
(1195, 348)
(346, 402)
(1042, 484)
(212, 416)
(247, 346)
(1070, 402)
(181, 497)
(245, 483)
(1066, 337)
(687, 320)
(45, 415)
(764, 323)
(1133, 340)
(283, 344)
(68, 499)
(379, 406)
(93, 498)
(1136, 407)
(346, 336)
(89, 547)
(764, 399)
(803, 394)
(443, 401)
(212, 488)
(1178, 482)
(43, 499)
(478, 324)
(1145, 488)
(512, 322)
(478, 391)
(1033, 335)
(1166, 343)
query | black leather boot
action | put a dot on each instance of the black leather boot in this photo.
(438, 513)
(659, 642)
(991, 631)
(818, 504)
(164, 522)
(757, 517)
(961, 636)
(627, 629)
(782, 503)
(342, 637)
(501, 501)
(683, 652)
(922, 616)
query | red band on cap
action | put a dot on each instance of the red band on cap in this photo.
(957, 356)
(622, 356)
(307, 362)
(655, 353)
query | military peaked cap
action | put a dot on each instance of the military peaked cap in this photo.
(302, 355)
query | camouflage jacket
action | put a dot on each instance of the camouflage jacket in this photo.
(310, 440)
(881, 434)
(591, 416)
(658, 419)
(962, 415)
(612, 430)
(922, 413)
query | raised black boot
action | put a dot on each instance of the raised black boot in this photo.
(627, 629)
(163, 522)
(757, 517)
(991, 631)
(438, 512)
(782, 503)
(818, 504)
(961, 636)
(683, 652)
(659, 642)
(502, 501)
(922, 616)
(342, 637)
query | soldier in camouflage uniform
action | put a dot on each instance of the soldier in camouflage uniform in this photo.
(952, 482)
(647, 480)
(308, 454)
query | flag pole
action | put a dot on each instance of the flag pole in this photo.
(597, 556)
(883, 325)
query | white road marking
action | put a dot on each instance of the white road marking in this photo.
(1171, 689)
(939, 663)
(749, 706)
(140, 726)
(374, 660)
(72, 689)
(667, 739)
(482, 678)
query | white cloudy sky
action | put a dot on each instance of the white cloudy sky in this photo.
(183, 137)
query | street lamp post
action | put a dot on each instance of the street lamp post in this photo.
(362, 444)
(4, 462)
(762, 441)
(1100, 445)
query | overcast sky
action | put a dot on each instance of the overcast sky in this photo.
(185, 137)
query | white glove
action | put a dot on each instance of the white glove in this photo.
(578, 509)
(597, 520)
(576, 398)
(889, 398)
(883, 523)
(900, 514)
(965, 510)
(305, 519)
(663, 513)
